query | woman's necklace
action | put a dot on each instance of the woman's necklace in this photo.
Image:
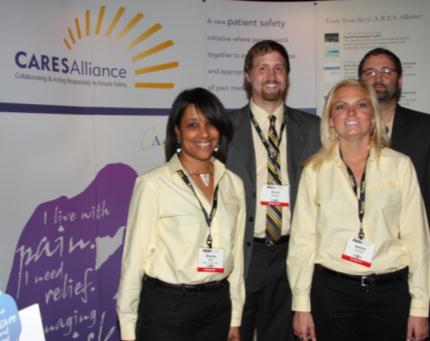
(205, 177)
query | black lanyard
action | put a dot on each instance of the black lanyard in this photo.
(208, 217)
(271, 153)
(361, 196)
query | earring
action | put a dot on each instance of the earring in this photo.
(178, 146)
(216, 149)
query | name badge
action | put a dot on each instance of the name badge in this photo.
(275, 195)
(359, 251)
(211, 260)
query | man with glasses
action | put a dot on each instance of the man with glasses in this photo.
(408, 130)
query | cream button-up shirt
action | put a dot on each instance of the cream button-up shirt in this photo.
(165, 229)
(326, 215)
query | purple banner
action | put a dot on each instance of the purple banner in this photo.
(68, 258)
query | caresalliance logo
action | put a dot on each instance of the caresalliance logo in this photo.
(132, 35)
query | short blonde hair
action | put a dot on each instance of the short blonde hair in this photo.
(329, 137)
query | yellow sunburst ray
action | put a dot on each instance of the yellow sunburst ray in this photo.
(154, 68)
(72, 37)
(154, 85)
(133, 22)
(67, 44)
(87, 22)
(152, 50)
(100, 19)
(115, 21)
(149, 32)
(78, 28)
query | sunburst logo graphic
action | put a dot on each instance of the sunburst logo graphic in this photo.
(94, 24)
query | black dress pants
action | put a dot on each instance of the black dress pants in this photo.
(343, 309)
(267, 309)
(172, 314)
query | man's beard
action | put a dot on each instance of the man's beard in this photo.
(388, 93)
(274, 96)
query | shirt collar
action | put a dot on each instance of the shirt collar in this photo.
(262, 115)
(174, 165)
(338, 159)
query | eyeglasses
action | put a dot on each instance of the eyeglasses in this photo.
(385, 72)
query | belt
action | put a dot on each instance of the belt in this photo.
(282, 240)
(369, 280)
(209, 286)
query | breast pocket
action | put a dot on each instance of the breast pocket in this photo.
(387, 200)
(182, 223)
(228, 213)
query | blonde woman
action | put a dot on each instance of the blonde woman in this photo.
(358, 262)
